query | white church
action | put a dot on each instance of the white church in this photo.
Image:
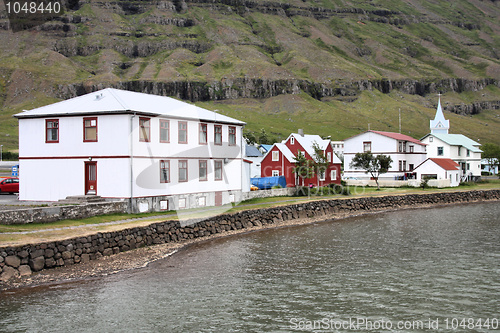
(457, 147)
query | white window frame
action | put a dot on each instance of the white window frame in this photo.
(322, 174)
(333, 174)
(275, 155)
(276, 173)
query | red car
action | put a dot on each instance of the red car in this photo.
(10, 185)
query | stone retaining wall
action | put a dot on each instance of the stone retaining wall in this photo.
(23, 260)
(56, 213)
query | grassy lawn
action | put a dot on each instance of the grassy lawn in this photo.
(38, 232)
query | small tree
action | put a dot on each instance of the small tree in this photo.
(304, 168)
(491, 152)
(375, 165)
(424, 183)
(320, 161)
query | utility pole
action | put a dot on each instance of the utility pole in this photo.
(1, 153)
(399, 120)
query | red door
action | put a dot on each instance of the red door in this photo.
(218, 198)
(90, 178)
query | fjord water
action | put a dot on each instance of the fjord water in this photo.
(414, 265)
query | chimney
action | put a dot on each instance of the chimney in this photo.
(301, 132)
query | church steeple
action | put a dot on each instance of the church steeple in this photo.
(439, 125)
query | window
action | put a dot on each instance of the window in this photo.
(329, 157)
(90, 129)
(431, 139)
(458, 151)
(322, 174)
(404, 165)
(144, 129)
(183, 132)
(412, 149)
(164, 130)
(333, 174)
(400, 165)
(276, 156)
(218, 134)
(164, 171)
(203, 170)
(183, 171)
(218, 169)
(203, 134)
(52, 130)
(468, 153)
(411, 167)
(292, 140)
(276, 173)
(232, 136)
(182, 203)
(440, 151)
(367, 146)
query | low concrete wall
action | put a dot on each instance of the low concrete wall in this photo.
(23, 260)
(275, 192)
(441, 183)
(56, 213)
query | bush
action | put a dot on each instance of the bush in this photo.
(9, 156)
(331, 189)
(276, 187)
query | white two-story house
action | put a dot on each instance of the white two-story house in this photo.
(457, 147)
(157, 152)
(406, 153)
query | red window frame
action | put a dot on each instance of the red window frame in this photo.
(205, 178)
(182, 130)
(142, 128)
(183, 165)
(163, 128)
(218, 165)
(203, 134)
(47, 121)
(231, 136)
(165, 165)
(218, 132)
(367, 144)
(85, 119)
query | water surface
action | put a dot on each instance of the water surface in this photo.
(406, 266)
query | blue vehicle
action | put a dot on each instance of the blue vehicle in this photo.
(266, 183)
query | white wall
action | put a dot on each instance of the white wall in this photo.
(431, 168)
(381, 145)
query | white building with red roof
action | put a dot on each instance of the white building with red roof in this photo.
(405, 151)
(444, 170)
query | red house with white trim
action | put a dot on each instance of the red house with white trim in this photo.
(279, 160)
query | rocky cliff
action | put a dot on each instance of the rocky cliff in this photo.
(223, 51)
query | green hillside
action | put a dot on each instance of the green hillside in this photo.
(331, 67)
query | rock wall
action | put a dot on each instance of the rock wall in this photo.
(246, 87)
(20, 261)
(56, 213)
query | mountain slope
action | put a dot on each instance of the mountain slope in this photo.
(329, 66)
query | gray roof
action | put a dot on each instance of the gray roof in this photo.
(252, 151)
(457, 140)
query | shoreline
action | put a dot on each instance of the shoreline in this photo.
(141, 257)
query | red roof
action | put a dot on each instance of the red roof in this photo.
(445, 163)
(399, 136)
